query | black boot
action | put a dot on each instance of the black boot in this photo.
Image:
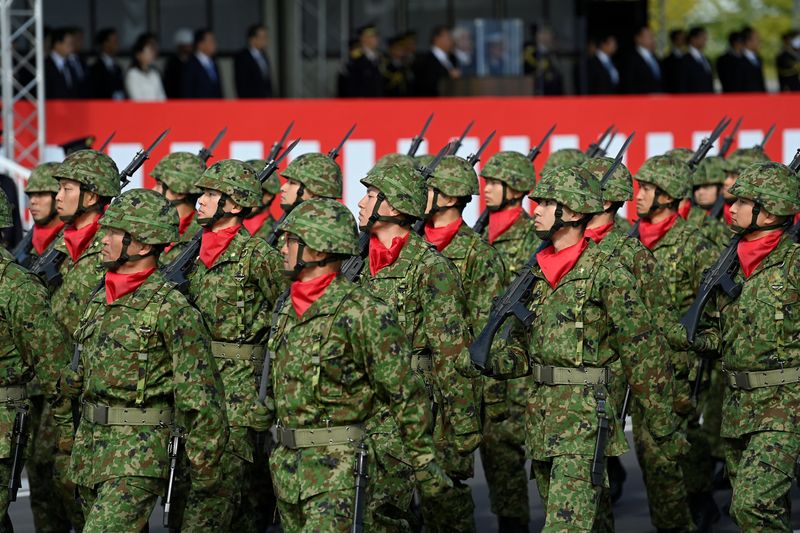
(616, 477)
(705, 512)
(511, 524)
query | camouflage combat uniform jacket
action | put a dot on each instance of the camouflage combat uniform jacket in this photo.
(177, 247)
(714, 230)
(338, 365)
(235, 297)
(147, 349)
(598, 303)
(425, 290)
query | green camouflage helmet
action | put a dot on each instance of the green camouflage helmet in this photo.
(319, 174)
(710, 171)
(95, 171)
(770, 184)
(42, 180)
(667, 173)
(6, 220)
(684, 154)
(325, 225)
(454, 177)
(511, 168)
(401, 159)
(742, 158)
(179, 171)
(572, 186)
(145, 214)
(423, 160)
(272, 185)
(564, 157)
(619, 187)
(234, 178)
(403, 186)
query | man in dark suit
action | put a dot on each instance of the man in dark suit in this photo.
(105, 75)
(251, 66)
(603, 74)
(642, 72)
(694, 72)
(176, 63)
(77, 63)
(752, 66)
(729, 67)
(201, 75)
(669, 66)
(59, 80)
(788, 62)
(364, 78)
(437, 64)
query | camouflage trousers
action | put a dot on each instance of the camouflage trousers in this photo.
(761, 468)
(63, 487)
(663, 479)
(120, 504)
(569, 499)
(259, 496)
(5, 476)
(712, 413)
(328, 512)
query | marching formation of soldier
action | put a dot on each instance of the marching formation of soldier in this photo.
(332, 372)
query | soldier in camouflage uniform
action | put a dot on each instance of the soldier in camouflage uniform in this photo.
(175, 177)
(425, 290)
(310, 176)
(87, 180)
(581, 291)
(33, 346)
(339, 367)
(143, 354)
(260, 223)
(234, 285)
(41, 190)
(508, 176)
(757, 336)
(707, 181)
(683, 254)
(564, 157)
(740, 159)
(669, 509)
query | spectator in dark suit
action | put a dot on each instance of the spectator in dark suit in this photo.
(642, 73)
(669, 65)
(752, 66)
(540, 62)
(694, 72)
(201, 75)
(437, 64)
(396, 71)
(105, 76)
(603, 74)
(729, 64)
(251, 66)
(364, 77)
(173, 71)
(77, 63)
(788, 62)
(59, 80)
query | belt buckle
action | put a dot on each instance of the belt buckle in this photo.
(100, 414)
(742, 381)
(546, 374)
(288, 439)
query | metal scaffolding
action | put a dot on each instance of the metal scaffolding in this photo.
(22, 74)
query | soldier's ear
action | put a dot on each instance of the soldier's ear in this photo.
(90, 198)
(234, 207)
(145, 249)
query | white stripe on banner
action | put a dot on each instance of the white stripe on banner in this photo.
(246, 150)
(122, 154)
(358, 159)
(697, 138)
(658, 143)
(469, 146)
(191, 147)
(750, 138)
(404, 144)
(515, 143)
(791, 142)
(557, 142)
(303, 147)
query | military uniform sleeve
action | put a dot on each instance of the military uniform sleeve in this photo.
(268, 272)
(485, 280)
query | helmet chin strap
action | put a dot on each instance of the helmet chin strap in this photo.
(753, 226)
(506, 201)
(547, 235)
(375, 217)
(219, 213)
(69, 219)
(436, 208)
(298, 199)
(123, 255)
(50, 216)
(656, 205)
(300, 264)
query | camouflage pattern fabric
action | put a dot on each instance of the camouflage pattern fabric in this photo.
(403, 186)
(329, 511)
(568, 497)
(180, 245)
(320, 175)
(94, 170)
(772, 185)
(572, 186)
(120, 504)
(144, 214)
(179, 171)
(511, 168)
(235, 179)
(668, 174)
(566, 157)
(42, 179)
(714, 230)
(271, 185)
(741, 158)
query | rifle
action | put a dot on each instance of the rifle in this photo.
(174, 449)
(483, 219)
(604, 149)
(206, 153)
(766, 138)
(19, 440)
(599, 456)
(105, 144)
(455, 145)
(416, 141)
(707, 143)
(21, 251)
(138, 160)
(359, 502)
(594, 148)
(180, 267)
(334, 153)
(626, 403)
(725, 147)
(278, 145)
(427, 172)
(617, 161)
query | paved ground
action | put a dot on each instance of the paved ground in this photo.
(631, 512)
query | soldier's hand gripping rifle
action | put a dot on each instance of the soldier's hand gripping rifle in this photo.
(725, 147)
(173, 452)
(416, 141)
(483, 219)
(595, 148)
(206, 153)
(179, 269)
(19, 441)
(455, 145)
(47, 266)
(272, 238)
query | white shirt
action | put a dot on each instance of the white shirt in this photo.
(751, 57)
(107, 61)
(442, 57)
(144, 86)
(650, 59)
(612, 70)
(258, 57)
(61, 65)
(207, 63)
(700, 58)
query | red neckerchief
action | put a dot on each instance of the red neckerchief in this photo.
(500, 221)
(77, 240)
(726, 212)
(254, 223)
(751, 253)
(651, 233)
(213, 243)
(556, 265)
(796, 218)
(441, 237)
(599, 233)
(684, 208)
(305, 293)
(43, 236)
(118, 285)
(185, 222)
(381, 256)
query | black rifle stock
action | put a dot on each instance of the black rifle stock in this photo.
(361, 479)
(19, 441)
(725, 147)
